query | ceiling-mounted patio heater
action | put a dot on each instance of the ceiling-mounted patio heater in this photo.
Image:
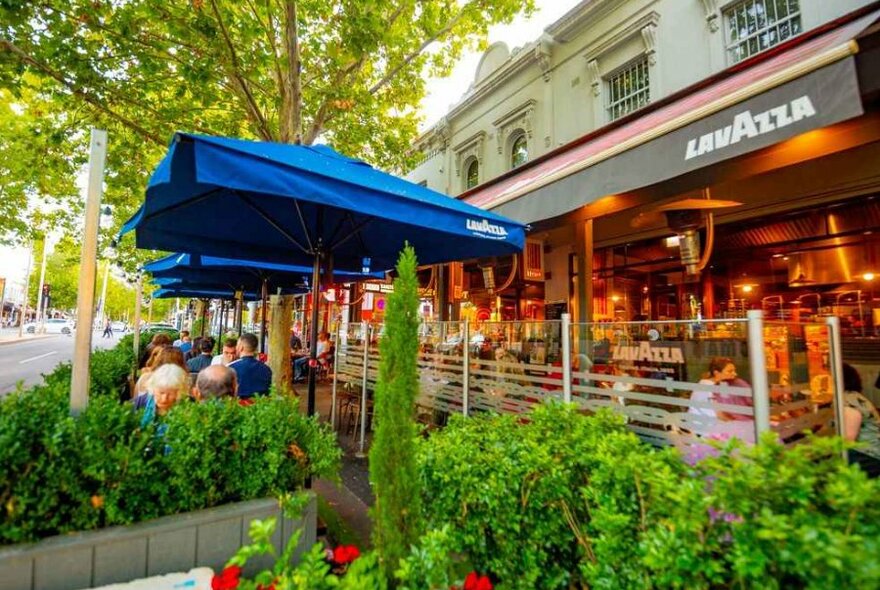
(685, 217)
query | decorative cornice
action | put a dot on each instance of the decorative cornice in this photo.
(710, 8)
(649, 36)
(543, 55)
(519, 118)
(619, 35)
(595, 76)
(470, 147)
(567, 28)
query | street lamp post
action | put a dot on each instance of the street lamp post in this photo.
(27, 286)
(40, 297)
(109, 256)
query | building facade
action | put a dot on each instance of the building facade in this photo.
(603, 68)
(603, 60)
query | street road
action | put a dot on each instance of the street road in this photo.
(28, 360)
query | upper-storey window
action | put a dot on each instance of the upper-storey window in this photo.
(629, 89)
(472, 174)
(519, 152)
(756, 25)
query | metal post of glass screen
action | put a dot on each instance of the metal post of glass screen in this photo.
(363, 412)
(566, 358)
(333, 394)
(835, 362)
(758, 364)
(466, 366)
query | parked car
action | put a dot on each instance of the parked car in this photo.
(159, 327)
(119, 327)
(51, 326)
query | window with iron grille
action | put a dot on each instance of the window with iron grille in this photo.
(756, 25)
(629, 89)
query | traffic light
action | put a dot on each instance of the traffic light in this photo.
(47, 296)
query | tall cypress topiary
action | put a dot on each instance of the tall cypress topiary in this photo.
(397, 516)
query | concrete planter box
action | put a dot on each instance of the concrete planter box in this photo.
(177, 543)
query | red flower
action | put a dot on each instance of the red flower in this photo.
(473, 581)
(227, 580)
(345, 554)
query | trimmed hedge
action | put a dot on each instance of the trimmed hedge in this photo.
(566, 500)
(60, 474)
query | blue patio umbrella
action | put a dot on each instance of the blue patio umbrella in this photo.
(263, 277)
(171, 292)
(306, 205)
(242, 273)
(224, 290)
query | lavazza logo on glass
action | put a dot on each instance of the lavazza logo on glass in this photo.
(485, 229)
(746, 126)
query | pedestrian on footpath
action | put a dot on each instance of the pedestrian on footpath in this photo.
(108, 329)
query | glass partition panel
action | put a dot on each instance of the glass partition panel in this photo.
(514, 365)
(674, 382)
(801, 382)
(441, 371)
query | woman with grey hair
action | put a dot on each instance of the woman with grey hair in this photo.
(168, 385)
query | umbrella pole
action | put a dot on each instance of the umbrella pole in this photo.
(313, 331)
(265, 304)
(220, 322)
(240, 309)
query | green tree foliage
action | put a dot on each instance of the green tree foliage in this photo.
(349, 73)
(38, 159)
(397, 514)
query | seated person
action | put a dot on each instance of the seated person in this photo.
(720, 370)
(215, 382)
(300, 365)
(295, 342)
(254, 377)
(229, 354)
(196, 364)
(861, 422)
(194, 349)
(168, 386)
(186, 344)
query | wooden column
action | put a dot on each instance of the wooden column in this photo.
(584, 251)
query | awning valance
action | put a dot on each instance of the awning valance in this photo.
(809, 86)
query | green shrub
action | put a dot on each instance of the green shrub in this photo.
(769, 517)
(59, 474)
(566, 500)
(397, 518)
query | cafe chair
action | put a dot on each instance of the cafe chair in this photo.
(325, 365)
(594, 405)
(686, 426)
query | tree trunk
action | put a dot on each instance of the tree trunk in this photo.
(291, 123)
(279, 341)
(196, 327)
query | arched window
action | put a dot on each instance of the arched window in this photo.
(519, 153)
(472, 174)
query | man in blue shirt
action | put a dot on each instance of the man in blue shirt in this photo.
(254, 377)
(197, 363)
